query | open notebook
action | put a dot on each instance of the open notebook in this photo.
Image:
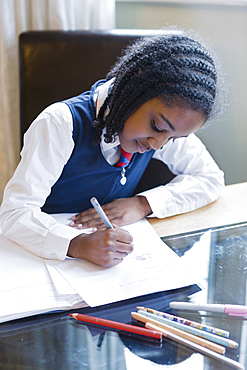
(30, 285)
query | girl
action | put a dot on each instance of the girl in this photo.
(99, 143)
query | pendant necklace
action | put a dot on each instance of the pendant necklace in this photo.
(123, 162)
(123, 177)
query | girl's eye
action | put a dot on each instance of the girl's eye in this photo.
(154, 127)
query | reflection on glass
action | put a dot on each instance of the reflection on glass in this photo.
(194, 362)
(218, 257)
(196, 260)
(225, 254)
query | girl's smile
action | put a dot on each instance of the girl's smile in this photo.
(154, 123)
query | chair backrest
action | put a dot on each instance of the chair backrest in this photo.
(56, 65)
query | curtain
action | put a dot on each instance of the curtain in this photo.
(17, 16)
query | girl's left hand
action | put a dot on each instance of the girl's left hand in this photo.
(122, 211)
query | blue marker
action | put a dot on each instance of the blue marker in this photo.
(101, 213)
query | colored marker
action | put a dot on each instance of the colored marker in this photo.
(116, 325)
(181, 320)
(196, 347)
(193, 338)
(230, 309)
(101, 213)
(209, 336)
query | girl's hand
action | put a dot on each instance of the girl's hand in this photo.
(121, 212)
(106, 247)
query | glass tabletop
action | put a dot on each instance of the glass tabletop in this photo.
(218, 257)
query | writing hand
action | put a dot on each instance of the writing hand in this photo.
(122, 211)
(106, 247)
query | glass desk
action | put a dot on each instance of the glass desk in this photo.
(55, 341)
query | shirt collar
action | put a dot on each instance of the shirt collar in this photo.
(100, 95)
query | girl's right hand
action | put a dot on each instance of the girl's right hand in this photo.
(106, 247)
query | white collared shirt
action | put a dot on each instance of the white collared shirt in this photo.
(199, 181)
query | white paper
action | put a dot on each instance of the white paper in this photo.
(60, 283)
(31, 285)
(25, 284)
(151, 267)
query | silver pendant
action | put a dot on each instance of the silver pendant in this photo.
(123, 178)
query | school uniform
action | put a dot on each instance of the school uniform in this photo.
(61, 169)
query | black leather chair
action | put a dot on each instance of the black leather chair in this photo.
(56, 65)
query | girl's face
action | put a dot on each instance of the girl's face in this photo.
(152, 124)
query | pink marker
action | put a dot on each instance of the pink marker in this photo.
(230, 309)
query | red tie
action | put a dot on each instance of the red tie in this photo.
(124, 159)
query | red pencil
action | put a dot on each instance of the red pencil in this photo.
(117, 325)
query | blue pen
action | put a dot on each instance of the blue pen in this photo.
(101, 213)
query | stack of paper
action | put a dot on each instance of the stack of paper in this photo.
(25, 285)
(31, 285)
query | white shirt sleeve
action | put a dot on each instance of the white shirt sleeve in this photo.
(198, 181)
(48, 145)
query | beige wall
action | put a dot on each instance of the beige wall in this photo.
(225, 27)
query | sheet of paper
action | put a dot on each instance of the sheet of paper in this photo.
(26, 287)
(151, 267)
(60, 283)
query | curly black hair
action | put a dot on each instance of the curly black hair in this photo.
(173, 66)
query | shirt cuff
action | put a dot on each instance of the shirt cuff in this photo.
(57, 241)
(161, 202)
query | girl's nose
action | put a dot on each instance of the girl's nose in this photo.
(157, 142)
